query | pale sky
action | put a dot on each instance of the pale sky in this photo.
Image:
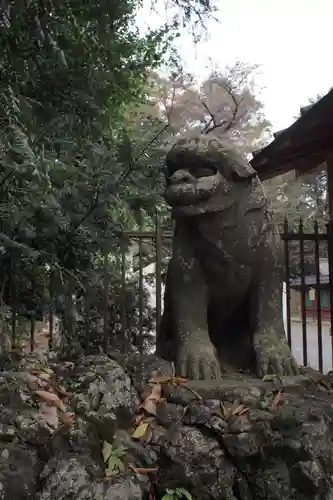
(290, 39)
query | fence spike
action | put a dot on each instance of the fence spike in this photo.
(301, 226)
(285, 224)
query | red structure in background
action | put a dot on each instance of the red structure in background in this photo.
(302, 147)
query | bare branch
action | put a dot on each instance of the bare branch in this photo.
(169, 111)
(212, 124)
(212, 120)
(235, 111)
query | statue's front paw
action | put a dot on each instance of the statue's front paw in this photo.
(274, 355)
(197, 362)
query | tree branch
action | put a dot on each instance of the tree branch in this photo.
(236, 108)
(121, 178)
(168, 113)
(212, 118)
(212, 124)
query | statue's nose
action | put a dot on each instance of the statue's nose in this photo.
(181, 176)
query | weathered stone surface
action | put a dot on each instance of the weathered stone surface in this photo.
(142, 368)
(197, 462)
(239, 438)
(222, 304)
(104, 394)
(280, 452)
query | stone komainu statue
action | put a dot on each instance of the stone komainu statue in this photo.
(223, 296)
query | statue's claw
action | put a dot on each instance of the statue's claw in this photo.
(197, 363)
(274, 356)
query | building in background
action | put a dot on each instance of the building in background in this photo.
(311, 294)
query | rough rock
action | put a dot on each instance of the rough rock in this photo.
(239, 438)
(104, 394)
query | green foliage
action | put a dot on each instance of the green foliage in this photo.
(113, 458)
(80, 156)
(70, 170)
(68, 68)
(176, 494)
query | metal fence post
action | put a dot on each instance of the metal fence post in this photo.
(303, 293)
(318, 298)
(106, 301)
(287, 277)
(330, 267)
(123, 294)
(158, 269)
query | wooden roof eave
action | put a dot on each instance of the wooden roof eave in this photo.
(307, 143)
(273, 167)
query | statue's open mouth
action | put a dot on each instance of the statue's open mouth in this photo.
(189, 195)
(191, 192)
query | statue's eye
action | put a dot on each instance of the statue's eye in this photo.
(171, 167)
(202, 170)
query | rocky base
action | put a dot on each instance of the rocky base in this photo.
(94, 431)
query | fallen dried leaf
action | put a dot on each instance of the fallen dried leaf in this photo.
(44, 376)
(62, 392)
(233, 410)
(149, 435)
(138, 419)
(223, 409)
(140, 431)
(180, 380)
(150, 419)
(34, 372)
(41, 383)
(67, 418)
(52, 399)
(277, 399)
(183, 414)
(166, 379)
(142, 470)
(49, 414)
(192, 391)
(239, 410)
(325, 382)
(150, 403)
(245, 410)
(227, 413)
(146, 393)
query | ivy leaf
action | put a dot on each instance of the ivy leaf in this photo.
(118, 452)
(115, 464)
(182, 493)
(107, 450)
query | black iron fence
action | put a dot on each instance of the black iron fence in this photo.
(146, 276)
(308, 291)
(308, 254)
(141, 265)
